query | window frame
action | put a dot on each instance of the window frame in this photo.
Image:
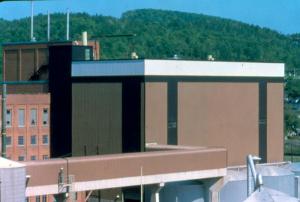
(21, 156)
(36, 142)
(45, 117)
(43, 138)
(35, 118)
(20, 118)
(21, 145)
(8, 136)
(9, 122)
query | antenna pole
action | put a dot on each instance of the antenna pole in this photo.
(31, 27)
(68, 24)
(48, 31)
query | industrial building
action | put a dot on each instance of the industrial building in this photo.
(175, 102)
(152, 129)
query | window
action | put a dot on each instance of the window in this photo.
(45, 157)
(45, 116)
(33, 158)
(21, 140)
(33, 139)
(33, 117)
(8, 140)
(8, 117)
(45, 139)
(44, 198)
(21, 158)
(21, 115)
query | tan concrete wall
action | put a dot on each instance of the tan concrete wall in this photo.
(156, 112)
(219, 114)
(275, 120)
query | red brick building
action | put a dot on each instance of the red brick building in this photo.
(28, 126)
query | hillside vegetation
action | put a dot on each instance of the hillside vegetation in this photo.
(162, 34)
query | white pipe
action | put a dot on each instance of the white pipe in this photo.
(31, 23)
(68, 25)
(155, 192)
(49, 27)
(84, 38)
(251, 172)
(297, 187)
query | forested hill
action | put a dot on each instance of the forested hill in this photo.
(162, 34)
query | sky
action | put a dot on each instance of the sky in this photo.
(280, 15)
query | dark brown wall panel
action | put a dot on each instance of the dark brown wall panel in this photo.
(11, 65)
(96, 118)
(28, 63)
(275, 122)
(43, 56)
(219, 114)
(156, 114)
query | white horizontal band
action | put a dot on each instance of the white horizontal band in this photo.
(176, 68)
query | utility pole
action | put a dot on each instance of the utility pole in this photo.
(31, 27)
(49, 27)
(3, 128)
(68, 25)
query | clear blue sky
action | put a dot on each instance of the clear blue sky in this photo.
(280, 15)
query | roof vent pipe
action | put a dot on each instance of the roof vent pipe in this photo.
(84, 38)
(252, 177)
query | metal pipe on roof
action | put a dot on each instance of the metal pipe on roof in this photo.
(31, 23)
(68, 25)
(251, 173)
(84, 38)
(49, 27)
(3, 128)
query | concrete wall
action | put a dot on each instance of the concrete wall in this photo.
(219, 114)
(156, 116)
(224, 114)
(275, 119)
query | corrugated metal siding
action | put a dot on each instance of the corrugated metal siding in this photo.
(13, 184)
(28, 63)
(11, 65)
(96, 118)
(156, 112)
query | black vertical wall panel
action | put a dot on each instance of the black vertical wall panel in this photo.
(172, 112)
(60, 58)
(131, 115)
(263, 121)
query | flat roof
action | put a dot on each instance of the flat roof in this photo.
(149, 67)
(6, 163)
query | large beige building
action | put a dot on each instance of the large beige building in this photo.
(235, 105)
